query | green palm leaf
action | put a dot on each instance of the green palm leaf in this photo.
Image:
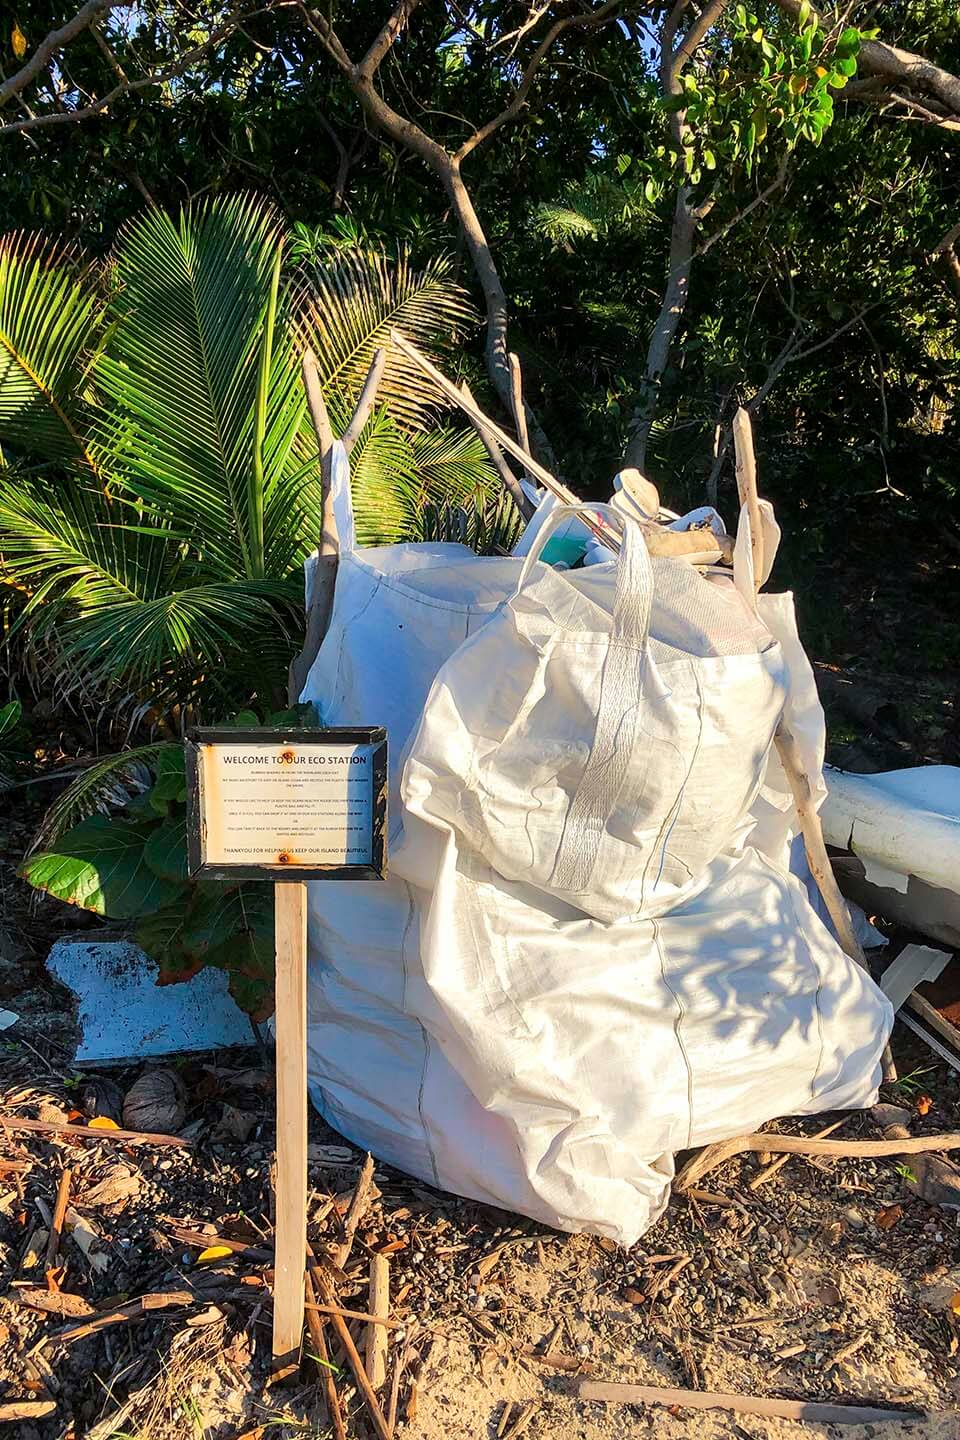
(50, 314)
(346, 309)
(203, 405)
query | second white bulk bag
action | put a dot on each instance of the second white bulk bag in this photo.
(602, 736)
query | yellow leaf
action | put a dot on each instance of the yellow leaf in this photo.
(103, 1122)
(19, 41)
(214, 1252)
(955, 1302)
(798, 84)
(821, 71)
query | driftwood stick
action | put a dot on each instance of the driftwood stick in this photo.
(16, 1124)
(777, 1165)
(377, 1339)
(322, 1357)
(324, 434)
(356, 1210)
(787, 747)
(508, 479)
(747, 487)
(713, 1155)
(353, 1357)
(473, 413)
(813, 1411)
(368, 397)
(59, 1215)
(516, 401)
(367, 1317)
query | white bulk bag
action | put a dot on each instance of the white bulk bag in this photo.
(575, 753)
(399, 612)
(502, 1045)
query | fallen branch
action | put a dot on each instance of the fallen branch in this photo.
(59, 1214)
(366, 1316)
(777, 1166)
(16, 1124)
(811, 1410)
(353, 1357)
(360, 1200)
(713, 1155)
(322, 1358)
(137, 1309)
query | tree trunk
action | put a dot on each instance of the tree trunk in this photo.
(685, 224)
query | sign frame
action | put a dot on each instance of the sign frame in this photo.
(223, 735)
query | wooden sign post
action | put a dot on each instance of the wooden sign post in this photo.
(288, 805)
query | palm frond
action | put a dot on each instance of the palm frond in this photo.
(102, 786)
(50, 313)
(347, 307)
(180, 373)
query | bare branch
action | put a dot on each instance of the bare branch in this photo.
(599, 17)
(755, 203)
(129, 87)
(55, 41)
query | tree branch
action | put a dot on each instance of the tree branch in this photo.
(129, 87)
(511, 111)
(55, 41)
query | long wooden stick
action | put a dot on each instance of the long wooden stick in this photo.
(290, 899)
(315, 1326)
(507, 478)
(714, 1155)
(777, 1165)
(747, 487)
(365, 404)
(787, 748)
(353, 1357)
(324, 433)
(17, 1123)
(814, 1411)
(516, 401)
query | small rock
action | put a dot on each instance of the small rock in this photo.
(853, 1218)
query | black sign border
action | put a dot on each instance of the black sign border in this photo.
(375, 736)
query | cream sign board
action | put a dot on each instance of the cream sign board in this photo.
(287, 804)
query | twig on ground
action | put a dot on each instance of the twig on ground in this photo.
(16, 1124)
(322, 1358)
(777, 1165)
(811, 1410)
(59, 1213)
(362, 1196)
(714, 1155)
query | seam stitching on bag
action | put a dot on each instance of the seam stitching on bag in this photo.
(411, 909)
(677, 1030)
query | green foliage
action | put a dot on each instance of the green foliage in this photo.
(132, 865)
(12, 748)
(772, 82)
(171, 487)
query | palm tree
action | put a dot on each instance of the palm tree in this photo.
(159, 484)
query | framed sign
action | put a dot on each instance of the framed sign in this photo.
(287, 804)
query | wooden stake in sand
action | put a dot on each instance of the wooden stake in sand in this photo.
(291, 1021)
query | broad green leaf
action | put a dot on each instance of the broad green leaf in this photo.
(100, 866)
(166, 851)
